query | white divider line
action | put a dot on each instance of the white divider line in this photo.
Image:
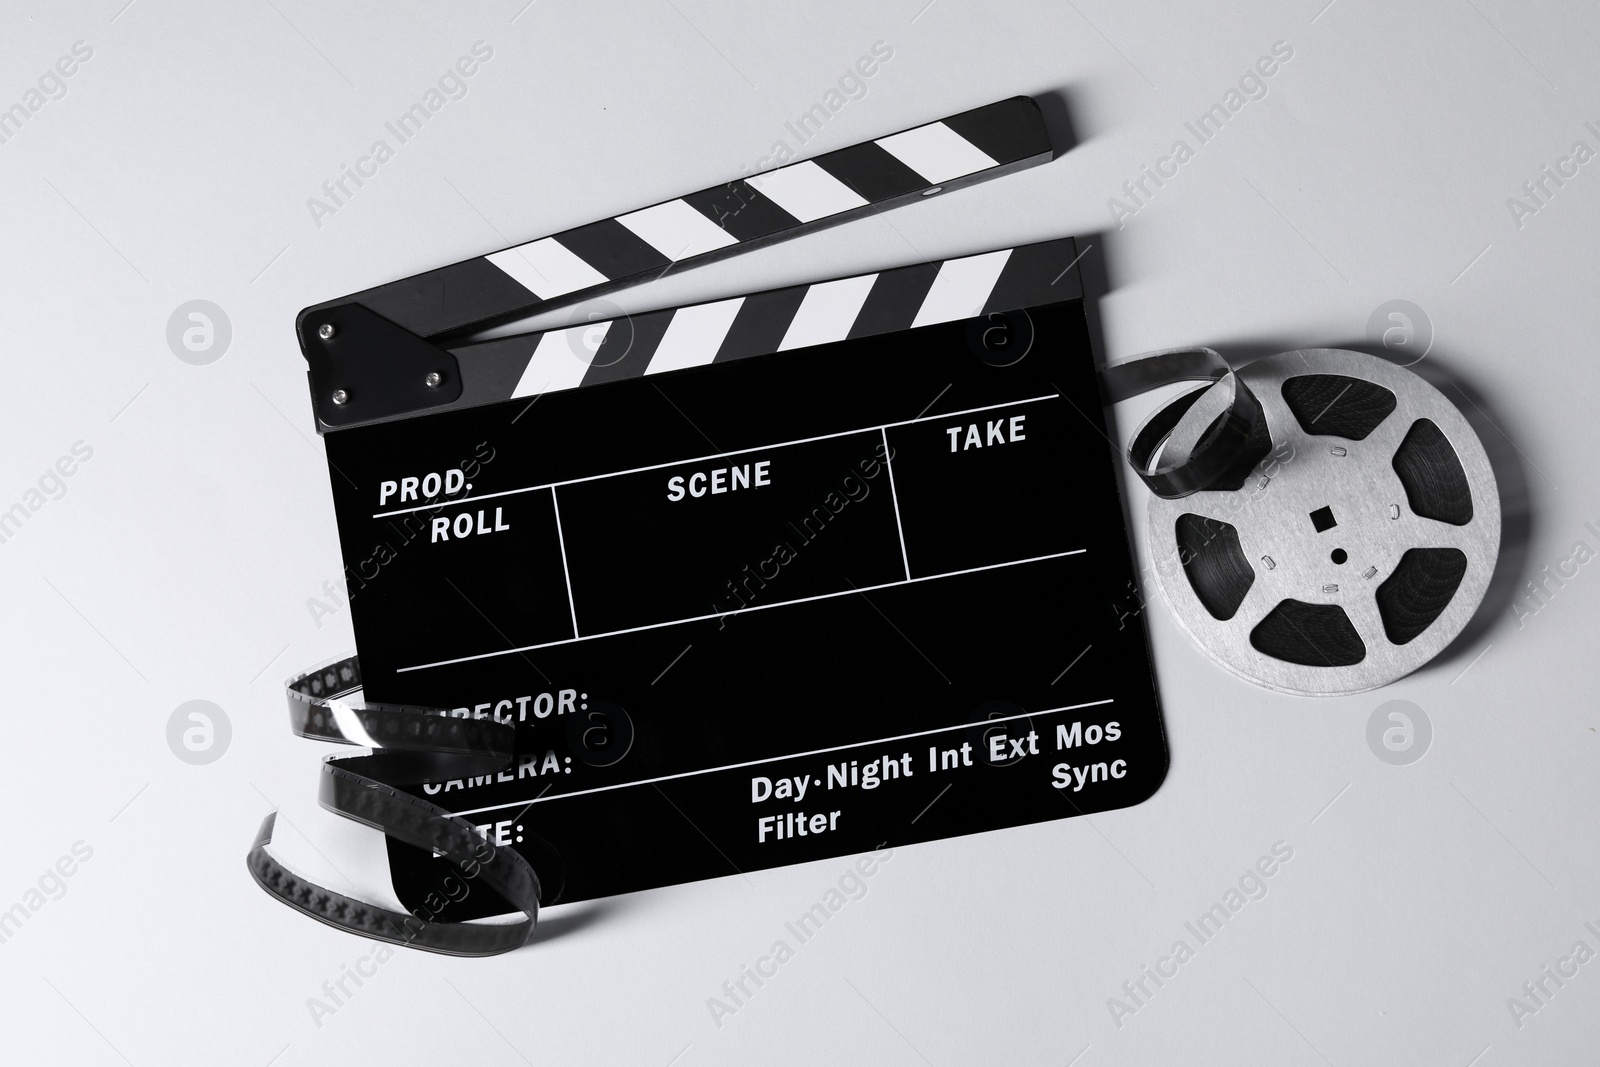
(894, 498)
(715, 455)
(734, 611)
(791, 755)
(561, 539)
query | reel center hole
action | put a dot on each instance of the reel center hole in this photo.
(1339, 555)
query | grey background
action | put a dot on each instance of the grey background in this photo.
(179, 563)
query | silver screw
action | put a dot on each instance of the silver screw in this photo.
(1330, 588)
(325, 331)
(433, 380)
(1338, 451)
(341, 397)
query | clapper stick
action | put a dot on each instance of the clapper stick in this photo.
(380, 353)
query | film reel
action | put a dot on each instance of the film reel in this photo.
(1351, 538)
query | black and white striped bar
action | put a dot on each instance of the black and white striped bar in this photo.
(778, 320)
(960, 150)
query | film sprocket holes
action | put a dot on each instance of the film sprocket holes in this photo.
(641, 609)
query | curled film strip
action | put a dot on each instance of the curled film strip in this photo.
(409, 744)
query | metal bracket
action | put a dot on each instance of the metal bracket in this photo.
(365, 368)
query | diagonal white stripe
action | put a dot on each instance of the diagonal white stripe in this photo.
(936, 152)
(547, 268)
(962, 287)
(561, 359)
(827, 312)
(676, 230)
(694, 335)
(806, 191)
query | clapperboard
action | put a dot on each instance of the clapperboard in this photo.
(774, 578)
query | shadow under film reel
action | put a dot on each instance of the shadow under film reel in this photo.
(1356, 547)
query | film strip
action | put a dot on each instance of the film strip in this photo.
(407, 743)
(875, 534)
